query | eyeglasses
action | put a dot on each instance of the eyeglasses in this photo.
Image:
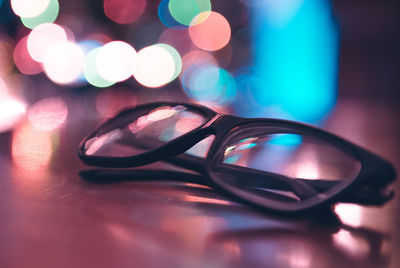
(272, 164)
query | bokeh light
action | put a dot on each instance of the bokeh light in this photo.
(23, 59)
(31, 147)
(210, 31)
(48, 114)
(177, 59)
(112, 100)
(166, 18)
(209, 84)
(283, 29)
(11, 109)
(157, 66)
(29, 8)
(87, 46)
(90, 71)
(116, 61)
(63, 63)
(196, 57)
(42, 37)
(124, 11)
(49, 15)
(184, 11)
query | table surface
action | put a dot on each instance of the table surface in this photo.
(51, 217)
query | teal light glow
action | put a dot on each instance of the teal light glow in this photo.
(285, 139)
(166, 18)
(183, 11)
(90, 71)
(246, 146)
(209, 84)
(232, 159)
(296, 55)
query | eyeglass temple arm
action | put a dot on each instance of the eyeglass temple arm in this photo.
(303, 188)
(113, 175)
(300, 189)
(364, 195)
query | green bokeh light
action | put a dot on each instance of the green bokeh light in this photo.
(49, 15)
(184, 11)
(90, 71)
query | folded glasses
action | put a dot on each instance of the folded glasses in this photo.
(275, 165)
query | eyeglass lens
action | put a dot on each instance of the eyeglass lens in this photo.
(282, 165)
(142, 130)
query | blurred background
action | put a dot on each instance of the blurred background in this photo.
(288, 59)
(66, 66)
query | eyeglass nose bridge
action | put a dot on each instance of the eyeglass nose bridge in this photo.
(223, 122)
(216, 126)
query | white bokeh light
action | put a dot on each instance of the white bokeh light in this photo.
(11, 109)
(48, 114)
(29, 8)
(44, 37)
(116, 61)
(63, 62)
(156, 66)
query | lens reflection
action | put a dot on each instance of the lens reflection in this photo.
(142, 130)
(283, 165)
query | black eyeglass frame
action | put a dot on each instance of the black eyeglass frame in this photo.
(221, 127)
